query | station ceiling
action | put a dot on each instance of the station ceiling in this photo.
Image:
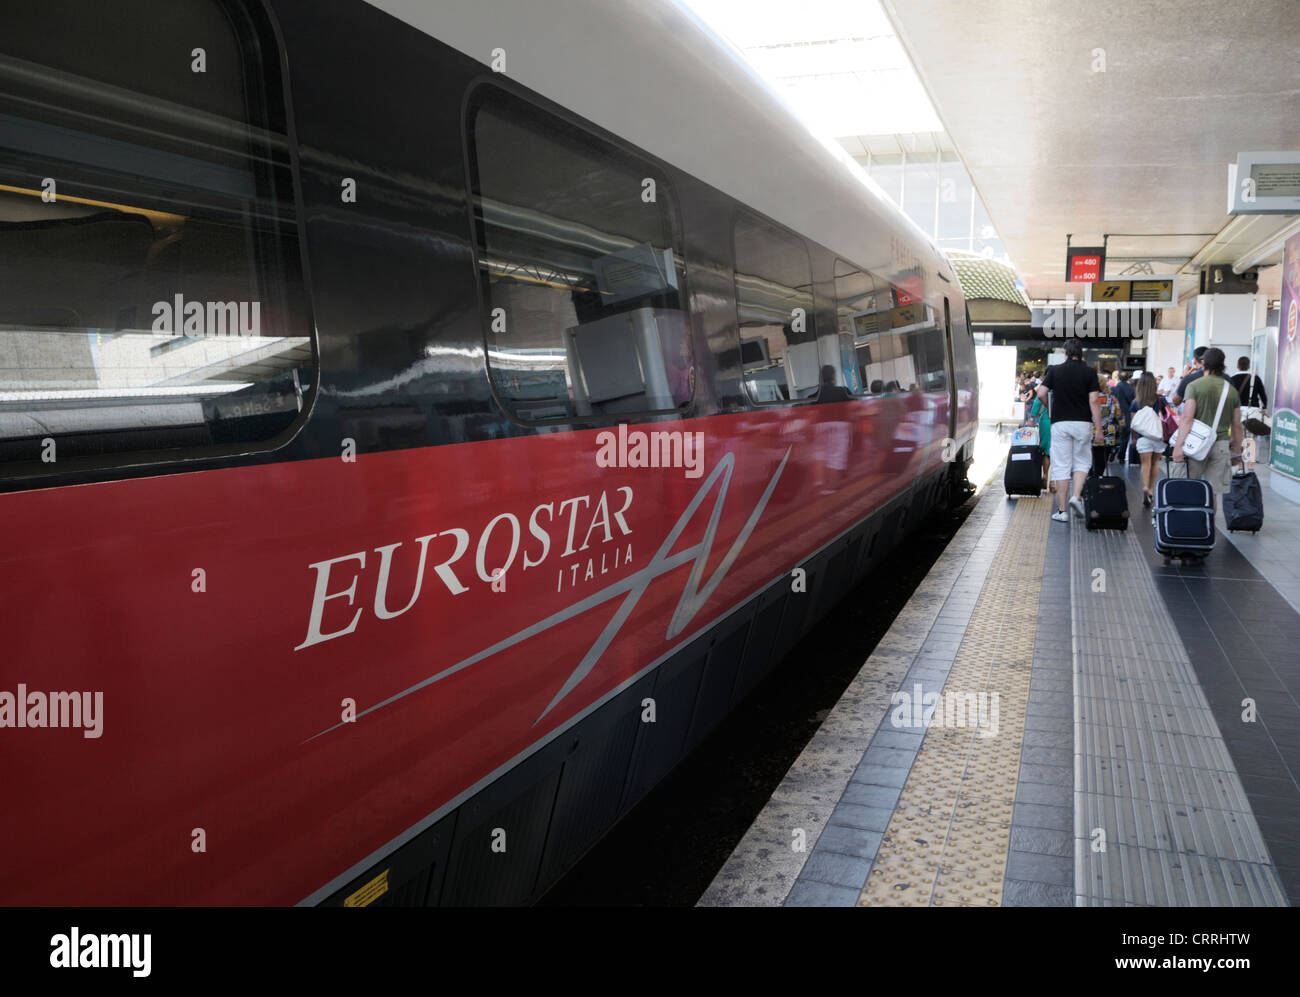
(1135, 139)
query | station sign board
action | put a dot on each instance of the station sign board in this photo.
(1157, 292)
(1264, 183)
(1084, 264)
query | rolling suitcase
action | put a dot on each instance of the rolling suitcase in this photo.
(1105, 499)
(1024, 473)
(1243, 506)
(1184, 517)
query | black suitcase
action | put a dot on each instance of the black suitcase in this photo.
(1184, 517)
(1105, 499)
(1243, 506)
(1024, 474)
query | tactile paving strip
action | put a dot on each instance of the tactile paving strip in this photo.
(1161, 817)
(946, 844)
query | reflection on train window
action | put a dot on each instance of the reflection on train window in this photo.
(774, 309)
(150, 286)
(898, 347)
(583, 285)
(855, 294)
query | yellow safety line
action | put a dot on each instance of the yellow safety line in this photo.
(947, 842)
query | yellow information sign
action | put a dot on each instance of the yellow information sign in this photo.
(369, 893)
(1158, 290)
(1152, 290)
(1111, 290)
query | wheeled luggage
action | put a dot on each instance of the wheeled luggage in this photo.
(1024, 473)
(1184, 517)
(1243, 506)
(1105, 499)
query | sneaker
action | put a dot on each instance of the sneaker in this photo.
(1077, 505)
(1060, 517)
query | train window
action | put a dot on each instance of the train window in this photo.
(151, 298)
(898, 342)
(774, 310)
(582, 278)
(929, 354)
(866, 312)
(855, 302)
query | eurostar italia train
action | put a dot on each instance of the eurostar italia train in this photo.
(420, 424)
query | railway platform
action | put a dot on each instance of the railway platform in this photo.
(1057, 718)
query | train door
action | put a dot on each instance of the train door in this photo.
(952, 371)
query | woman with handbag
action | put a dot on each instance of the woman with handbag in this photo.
(1148, 428)
(1208, 450)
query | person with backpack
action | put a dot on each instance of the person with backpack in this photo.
(1212, 401)
(1250, 389)
(1254, 406)
(1148, 432)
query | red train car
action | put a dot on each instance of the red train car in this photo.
(420, 424)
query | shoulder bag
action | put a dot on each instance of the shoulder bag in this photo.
(1146, 422)
(1200, 438)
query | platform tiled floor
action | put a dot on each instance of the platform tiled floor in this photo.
(1194, 804)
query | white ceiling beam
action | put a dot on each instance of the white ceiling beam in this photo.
(1267, 247)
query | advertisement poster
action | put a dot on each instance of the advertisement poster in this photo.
(1285, 453)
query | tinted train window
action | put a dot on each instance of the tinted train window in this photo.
(929, 354)
(774, 309)
(899, 347)
(582, 280)
(151, 300)
(855, 296)
(867, 313)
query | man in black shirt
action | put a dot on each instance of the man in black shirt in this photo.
(1180, 392)
(1075, 408)
(1250, 389)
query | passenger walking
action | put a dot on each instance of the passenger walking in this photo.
(1180, 393)
(1076, 426)
(1038, 412)
(1254, 405)
(1250, 389)
(1203, 399)
(1111, 418)
(1168, 383)
(1150, 445)
(1123, 392)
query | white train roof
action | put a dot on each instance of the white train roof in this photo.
(652, 73)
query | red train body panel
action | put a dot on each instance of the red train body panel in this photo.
(303, 664)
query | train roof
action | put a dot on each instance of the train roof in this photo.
(653, 73)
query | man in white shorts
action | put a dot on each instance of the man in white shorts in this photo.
(1076, 426)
